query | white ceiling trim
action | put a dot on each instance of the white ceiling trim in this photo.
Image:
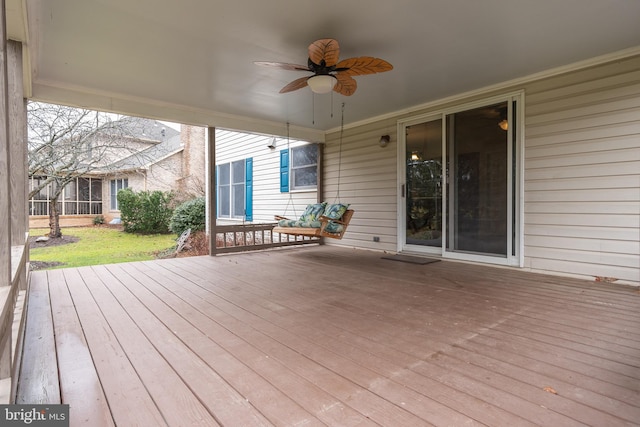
(76, 96)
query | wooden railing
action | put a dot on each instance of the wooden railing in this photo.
(249, 237)
(12, 305)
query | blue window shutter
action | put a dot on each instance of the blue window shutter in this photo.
(284, 171)
(248, 192)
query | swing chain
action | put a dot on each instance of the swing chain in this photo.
(290, 201)
(337, 198)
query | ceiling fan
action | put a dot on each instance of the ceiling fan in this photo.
(329, 73)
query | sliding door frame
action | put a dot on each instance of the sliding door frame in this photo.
(515, 183)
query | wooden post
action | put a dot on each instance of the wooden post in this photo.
(213, 191)
(17, 115)
(6, 302)
(5, 165)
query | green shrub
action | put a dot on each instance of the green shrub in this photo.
(191, 214)
(145, 212)
(98, 220)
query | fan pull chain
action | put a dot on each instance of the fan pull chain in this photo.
(332, 104)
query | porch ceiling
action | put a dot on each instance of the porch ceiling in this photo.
(192, 61)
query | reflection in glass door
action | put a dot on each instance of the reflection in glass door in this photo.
(477, 187)
(423, 156)
(461, 184)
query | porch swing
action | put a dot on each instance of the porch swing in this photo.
(318, 219)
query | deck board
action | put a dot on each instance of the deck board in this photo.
(175, 311)
(38, 380)
(129, 401)
(323, 405)
(317, 336)
(178, 404)
(79, 380)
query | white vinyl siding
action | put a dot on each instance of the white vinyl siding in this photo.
(581, 173)
(368, 182)
(267, 198)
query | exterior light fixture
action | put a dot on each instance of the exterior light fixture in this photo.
(322, 83)
(414, 156)
(384, 140)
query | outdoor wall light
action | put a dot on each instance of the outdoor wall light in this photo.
(272, 146)
(384, 140)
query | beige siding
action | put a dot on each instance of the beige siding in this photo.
(135, 182)
(367, 181)
(162, 175)
(192, 182)
(267, 198)
(581, 173)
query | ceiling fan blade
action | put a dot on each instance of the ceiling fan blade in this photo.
(363, 65)
(327, 49)
(295, 85)
(346, 85)
(282, 65)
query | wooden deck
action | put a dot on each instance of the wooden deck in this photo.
(324, 336)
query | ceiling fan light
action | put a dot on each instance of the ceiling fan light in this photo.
(323, 83)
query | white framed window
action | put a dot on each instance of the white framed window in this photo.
(304, 167)
(234, 189)
(116, 186)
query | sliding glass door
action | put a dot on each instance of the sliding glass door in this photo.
(460, 183)
(478, 199)
(423, 188)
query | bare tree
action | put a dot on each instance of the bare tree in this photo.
(65, 143)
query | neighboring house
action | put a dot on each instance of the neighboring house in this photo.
(259, 176)
(158, 158)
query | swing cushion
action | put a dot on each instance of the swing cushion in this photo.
(333, 227)
(335, 211)
(299, 223)
(312, 213)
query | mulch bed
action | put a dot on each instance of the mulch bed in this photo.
(43, 265)
(51, 242)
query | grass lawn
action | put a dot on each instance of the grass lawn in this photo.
(99, 245)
